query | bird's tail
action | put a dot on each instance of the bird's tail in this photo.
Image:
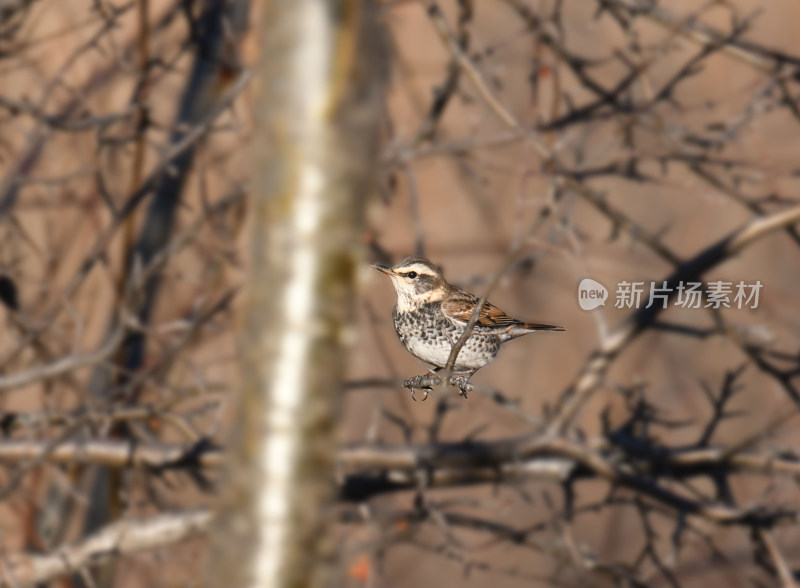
(539, 327)
(520, 329)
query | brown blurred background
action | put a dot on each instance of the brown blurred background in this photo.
(687, 166)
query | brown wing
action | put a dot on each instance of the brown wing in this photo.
(460, 305)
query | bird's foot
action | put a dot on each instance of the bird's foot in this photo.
(424, 383)
(462, 383)
(424, 398)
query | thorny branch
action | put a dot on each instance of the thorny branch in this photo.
(644, 106)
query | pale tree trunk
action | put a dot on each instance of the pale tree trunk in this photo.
(321, 97)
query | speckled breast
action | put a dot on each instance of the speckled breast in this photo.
(428, 335)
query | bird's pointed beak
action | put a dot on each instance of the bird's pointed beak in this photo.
(382, 268)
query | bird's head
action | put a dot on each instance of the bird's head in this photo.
(417, 282)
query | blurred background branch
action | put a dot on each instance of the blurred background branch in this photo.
(525, 145)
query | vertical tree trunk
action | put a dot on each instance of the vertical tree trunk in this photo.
(319, 109)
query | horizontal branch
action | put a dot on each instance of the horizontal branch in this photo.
(119, 538)
(404, 467)
(112, 453)
(555, 459)
(369, 470)
(471, 454)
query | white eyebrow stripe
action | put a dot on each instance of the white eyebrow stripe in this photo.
(416, 267)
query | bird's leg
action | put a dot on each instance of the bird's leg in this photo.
(427, 381)
(419, 383)
(462, 382)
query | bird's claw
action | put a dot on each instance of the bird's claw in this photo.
(418, 383)
(424, 398)
(426, 383)
(462, 383)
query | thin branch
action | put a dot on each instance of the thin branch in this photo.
(574, 398)
(113, 453)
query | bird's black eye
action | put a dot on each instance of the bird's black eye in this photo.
(411, 275)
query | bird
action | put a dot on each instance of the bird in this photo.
(430, 316)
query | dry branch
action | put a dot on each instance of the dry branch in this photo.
(112, 453)
(121, 538)
(573, 399)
